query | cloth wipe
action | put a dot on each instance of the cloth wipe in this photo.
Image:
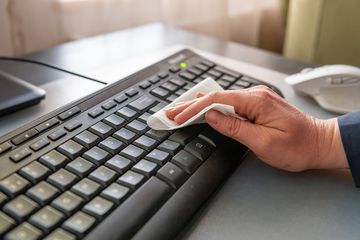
(159, 120)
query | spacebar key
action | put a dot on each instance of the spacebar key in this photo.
(130, 216)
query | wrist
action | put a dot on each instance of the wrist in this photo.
(331, 152)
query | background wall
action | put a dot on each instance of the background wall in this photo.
(31, 25)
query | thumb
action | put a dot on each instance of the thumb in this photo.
(240, 130)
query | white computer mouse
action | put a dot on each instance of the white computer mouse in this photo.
(335, 87)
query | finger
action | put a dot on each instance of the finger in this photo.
(246, 102)
(173, 111)
(240, 130)
(200, 94)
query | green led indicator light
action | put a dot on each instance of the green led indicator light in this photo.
(183, 65)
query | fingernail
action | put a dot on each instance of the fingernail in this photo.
(212, 117)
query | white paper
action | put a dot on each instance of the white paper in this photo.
(159, 120)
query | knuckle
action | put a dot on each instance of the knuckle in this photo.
(232, 127)
(213, 96)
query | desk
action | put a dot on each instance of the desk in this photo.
(256, 201)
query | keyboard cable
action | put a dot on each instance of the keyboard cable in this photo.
(49, 66)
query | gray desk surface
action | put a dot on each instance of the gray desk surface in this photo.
(257, 201)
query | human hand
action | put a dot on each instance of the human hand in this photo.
(277, 132)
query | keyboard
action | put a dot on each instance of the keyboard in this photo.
(93, 169)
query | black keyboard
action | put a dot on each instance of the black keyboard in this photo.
(93, 169)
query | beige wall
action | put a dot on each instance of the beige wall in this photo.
(32, 25)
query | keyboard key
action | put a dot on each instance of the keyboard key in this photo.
(143, 103)
(46, 219)
(185, 135)
(228, 78)
(121, 98)
(46, 125)
(101, 129)
(137, 127)
(109, 105)
(43, 192)
(68, 114)
(39, 144)
(194, 71)
(163, 75)
(227, 72)
(103, 175)
(170, 147)
(158, 135)
(80, 167)
(187, 76)
(73, 125)
(79, 224)
(169, 86)
(180, 92)
(125, 135)
(87, 139)
(119, 164)
(157, 107)
(25, 136)
(20, 155)
(159, 157)
(145, 143)
(94, 113)
(115, 121)
(144, 117)
(172, 174)
(96, 155)
(112, 145)
(56, 135)
(35, 172)
(14, 184)
(202, 67)
(86, 188)
(160, 92)
(178, 82)
(131, 92)
(71, 149)
(127, 113)
(200, 148)
(5, 147)
(98, 207)
(67, 203)
(3, 198)
(20, 208)
(154, 80)
(242, 83)
(24, 231)
(131, 179)
(60, 234)
(208, 63)
(62, 179)
(171, 98)
(145, 85)
(224, 84)
(214, 73)
(6, 223)
(186, 161)
(54, 160)
(145, 167)
(116, 193)
(174, 69)
(133, 153)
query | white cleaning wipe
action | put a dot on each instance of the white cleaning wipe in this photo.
(159, 120)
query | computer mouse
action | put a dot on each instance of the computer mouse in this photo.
(334, 87)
